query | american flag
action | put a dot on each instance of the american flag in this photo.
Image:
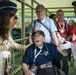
(43, 66)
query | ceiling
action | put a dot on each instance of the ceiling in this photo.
(52, 5)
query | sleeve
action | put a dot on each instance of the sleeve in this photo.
(26, 57)
(52, 26)
(54, 52)
(16, 45)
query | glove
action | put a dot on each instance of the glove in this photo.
(67, 45)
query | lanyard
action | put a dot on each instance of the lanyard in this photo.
(36, 55)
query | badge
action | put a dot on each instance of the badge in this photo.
(61, 30)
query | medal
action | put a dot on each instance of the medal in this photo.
(61, 29)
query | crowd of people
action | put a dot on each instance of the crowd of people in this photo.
(46, 50)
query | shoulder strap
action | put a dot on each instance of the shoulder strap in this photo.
(66, 26)
(43, 25)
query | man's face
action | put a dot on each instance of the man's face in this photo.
(39, 39)
(75, 9)
(40, 14)
(60, 16)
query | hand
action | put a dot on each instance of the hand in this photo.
(29, 72)
(63, 52)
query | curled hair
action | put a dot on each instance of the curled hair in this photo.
(4, 24)
(52, 15)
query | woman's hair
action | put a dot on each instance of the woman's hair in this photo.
(52, 15)
(4, 24)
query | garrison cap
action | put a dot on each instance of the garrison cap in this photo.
(74, 3)
(40, 7)
(40, 32)
(7, 6)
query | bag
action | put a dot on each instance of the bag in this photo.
(50, 71)
(45, 71)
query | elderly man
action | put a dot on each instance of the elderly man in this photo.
(45, 24)
(40, 56)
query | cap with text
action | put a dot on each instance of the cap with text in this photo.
(40, 32)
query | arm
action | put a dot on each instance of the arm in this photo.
(63, 52)
(55, 38)
(26, 70)
(30, 39)
(16, 45)
(73, 37)
(25, 67)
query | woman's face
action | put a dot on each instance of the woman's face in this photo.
(12, 22)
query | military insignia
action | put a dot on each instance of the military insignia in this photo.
(46, 53)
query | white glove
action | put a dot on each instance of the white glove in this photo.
(67, 45)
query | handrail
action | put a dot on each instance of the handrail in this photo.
(17, 40)
(16, 70)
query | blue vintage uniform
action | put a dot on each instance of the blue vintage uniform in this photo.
(48, 53)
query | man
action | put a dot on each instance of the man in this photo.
(64, 31)
(74, 5)
(39, 56)
(72, 44)
(48, 26)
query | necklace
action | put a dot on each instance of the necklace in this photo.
(61, 28)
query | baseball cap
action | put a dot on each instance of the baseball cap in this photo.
(40, 32)
(7, 6)
(74, 3)
(40, 7)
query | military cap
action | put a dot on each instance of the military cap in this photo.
(7, 6)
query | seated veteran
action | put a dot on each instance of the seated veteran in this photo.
(39, 56)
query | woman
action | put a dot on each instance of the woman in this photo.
(8, 10)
